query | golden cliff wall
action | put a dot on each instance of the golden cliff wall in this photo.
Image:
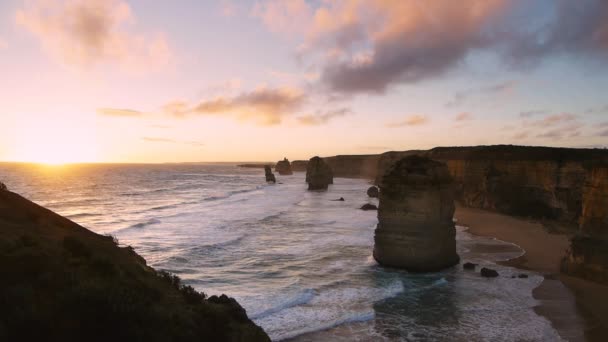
(588, 253)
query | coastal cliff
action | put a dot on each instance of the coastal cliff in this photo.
(63, 282)
(415, 229)
(539, 182)
(588, 253)
(565, 185)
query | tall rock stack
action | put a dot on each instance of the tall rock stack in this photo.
(3, 187)
(269, 175)
(318, 174)
(415, 230)
(283, 167)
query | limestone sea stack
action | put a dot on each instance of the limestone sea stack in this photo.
(318, 174)
(269, 175)
(415, 230)
(283, 167)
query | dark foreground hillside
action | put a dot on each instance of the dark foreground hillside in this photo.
(61, 281)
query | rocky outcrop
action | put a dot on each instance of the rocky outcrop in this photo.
(283, 167)
(62, 282)
(3, 187)
(488, 273)
(318, 174)
(368, 206)
(270, 178)
(469, 266)
(373, 192)
(587, 258)
(415, 229)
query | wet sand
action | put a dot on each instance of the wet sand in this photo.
(576, 308)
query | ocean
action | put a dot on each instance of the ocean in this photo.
(300, 263)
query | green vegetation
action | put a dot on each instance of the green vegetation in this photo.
(63, 282)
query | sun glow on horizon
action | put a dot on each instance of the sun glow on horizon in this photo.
(53, 142)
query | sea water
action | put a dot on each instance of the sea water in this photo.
(298, 261)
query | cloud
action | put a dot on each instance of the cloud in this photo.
(497, 88)
(369, 46)
(521, 135)
(464, 116)
(603, 133)
(531, 113)
(570, 130)
(323, 118)
(555, 119)
(375, 148)
(266, 106)
(119, 112)
(3, 44)
(156, 139)
(284, 16)
(87, 32)
(229, 8)
(172, 141)
(413, 120)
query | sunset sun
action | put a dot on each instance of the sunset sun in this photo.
(54, 142)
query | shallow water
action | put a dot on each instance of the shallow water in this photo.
(299, 262)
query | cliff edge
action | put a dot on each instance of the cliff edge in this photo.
(61, 281)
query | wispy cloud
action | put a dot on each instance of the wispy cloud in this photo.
(172, 141)
(462, 96)
(412, 120)
(532, 113)
(375, 148)
(464, 116)
(121, 112)
(157, 139)
(266, 106)
(555, 119)
(85, 32)
(321, 118)
(568, 131)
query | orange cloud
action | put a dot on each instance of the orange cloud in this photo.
(119, 112)
(86, 32)
(322, 118)
(413, 120)
(266, 106)
(464, 116)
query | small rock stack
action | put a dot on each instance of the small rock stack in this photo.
(283, 167)
(318, 174)
(269, 175)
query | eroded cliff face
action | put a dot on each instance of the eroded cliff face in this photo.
(588, 253)
(537, 182)
(415, 229)
(299, 165)
(354, 166)
(594, 217)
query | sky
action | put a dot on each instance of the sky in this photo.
(194, 80)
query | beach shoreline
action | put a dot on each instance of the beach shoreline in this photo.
(577, 309)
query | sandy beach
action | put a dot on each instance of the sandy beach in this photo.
(578, 309)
